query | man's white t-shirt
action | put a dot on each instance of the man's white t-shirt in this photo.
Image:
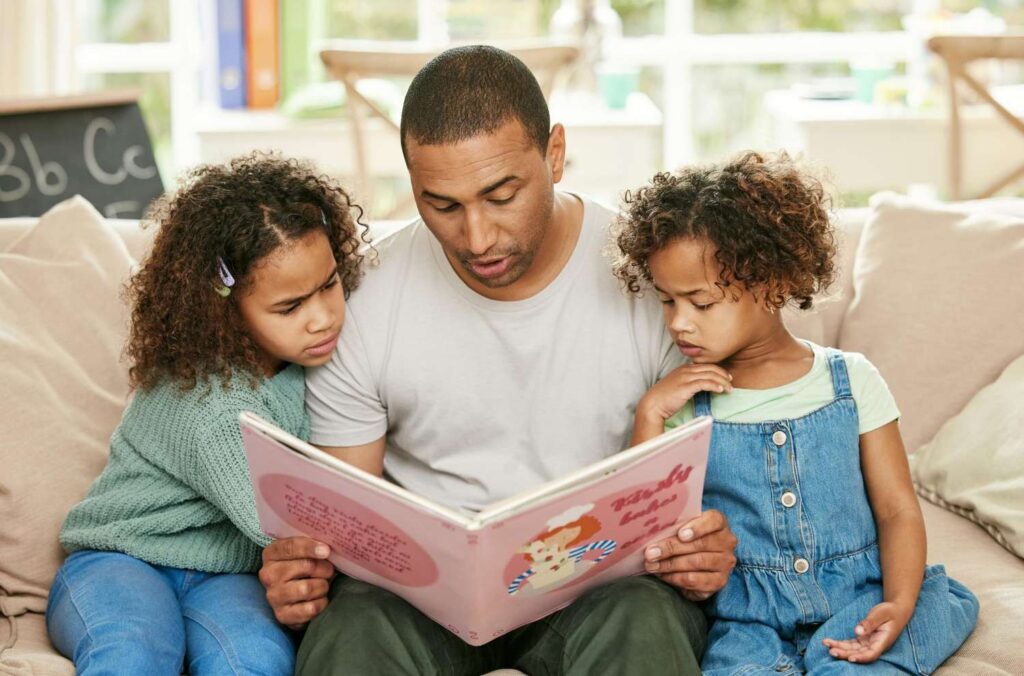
(482, 399)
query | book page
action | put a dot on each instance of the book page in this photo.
(481, 578)
(584, 476)
(543, 557)
(374, 536)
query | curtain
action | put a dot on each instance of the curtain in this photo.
(36, 47)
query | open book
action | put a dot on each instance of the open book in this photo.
(481, 575)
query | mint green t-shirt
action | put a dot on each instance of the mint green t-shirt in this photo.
(809, 392)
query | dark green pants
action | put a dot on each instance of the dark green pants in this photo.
(636, 625)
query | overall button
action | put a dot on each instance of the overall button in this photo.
(788, 499)
(801, 566)
(779, 438)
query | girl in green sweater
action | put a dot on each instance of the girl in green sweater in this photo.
(245, 286)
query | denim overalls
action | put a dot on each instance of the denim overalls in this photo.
(807, 559)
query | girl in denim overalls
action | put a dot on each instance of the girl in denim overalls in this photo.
(806, 458)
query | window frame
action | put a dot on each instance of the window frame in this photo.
(675, 53)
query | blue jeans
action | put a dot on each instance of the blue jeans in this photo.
(111, 613)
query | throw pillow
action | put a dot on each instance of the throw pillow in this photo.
(938, 305)
(62, 386)
(975, 464)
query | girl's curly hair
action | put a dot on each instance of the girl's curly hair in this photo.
(766, 216)
(181, 328)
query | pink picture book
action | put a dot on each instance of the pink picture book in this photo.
(482, 574)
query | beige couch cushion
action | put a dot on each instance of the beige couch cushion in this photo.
(821, 324)
(996, 577)
(975, 464)
(137, 239)
(938, 305)
(62, 386)
(33, 653)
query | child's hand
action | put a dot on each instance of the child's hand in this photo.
(874, 634)
(678, 387)
(670, 394)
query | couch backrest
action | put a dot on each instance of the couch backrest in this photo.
(937, 303)
(822, 323)
(136, 238)
(63, 383)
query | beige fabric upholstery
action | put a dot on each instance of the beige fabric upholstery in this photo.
(62, 387)
(975, 464)
(821, 324)
(33, 655)
(996, 577)
(137, 238)
(970, 555)
(938, 306)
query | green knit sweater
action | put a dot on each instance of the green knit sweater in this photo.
(176, 489)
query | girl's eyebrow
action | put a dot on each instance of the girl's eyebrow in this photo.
(299, 299)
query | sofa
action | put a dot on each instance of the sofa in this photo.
(932, 294)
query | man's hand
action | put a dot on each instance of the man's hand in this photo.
(873, 635)
(296, 574)
(698, 559)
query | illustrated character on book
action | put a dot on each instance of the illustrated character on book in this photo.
(558, 555)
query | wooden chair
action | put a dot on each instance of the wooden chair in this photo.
(351, 60)
(958, 52)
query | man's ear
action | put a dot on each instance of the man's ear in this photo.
(555, 155)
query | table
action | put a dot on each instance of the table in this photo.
(872, 147)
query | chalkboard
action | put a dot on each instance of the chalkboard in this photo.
(94, 146)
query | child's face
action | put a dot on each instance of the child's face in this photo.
(709, 324)
(295, 305)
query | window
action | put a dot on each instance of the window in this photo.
(133, 44)
(123, 21)
(704, 63)
(778, 16)
(376, 20)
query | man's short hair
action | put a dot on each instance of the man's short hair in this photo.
(467, 91)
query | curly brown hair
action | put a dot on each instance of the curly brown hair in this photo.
(767, 216)
(239, 212)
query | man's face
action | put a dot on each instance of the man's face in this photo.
(489, 200)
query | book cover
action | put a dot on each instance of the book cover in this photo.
(261, 51)
(484, 574)
(302, 25)
(228, 38)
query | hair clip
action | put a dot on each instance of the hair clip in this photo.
(227, 281)
(323, 216)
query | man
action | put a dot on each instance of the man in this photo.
(490, 351)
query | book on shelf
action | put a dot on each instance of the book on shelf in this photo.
(223, 45)
(262, 42)
(302, 29)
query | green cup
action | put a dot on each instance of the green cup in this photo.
(867, 75)
(616, 84)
